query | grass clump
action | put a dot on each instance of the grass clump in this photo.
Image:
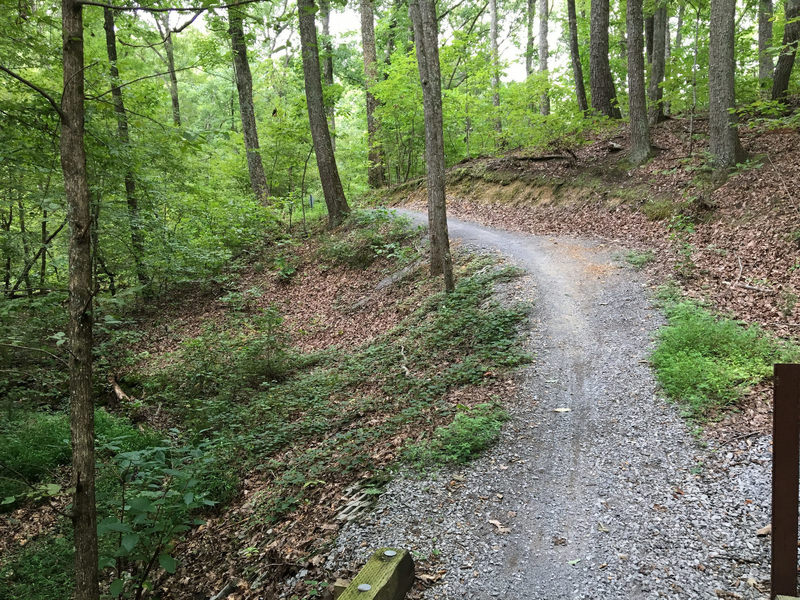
(706, 362)
(472, 431)
(640, 259)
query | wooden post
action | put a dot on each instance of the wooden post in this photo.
(388, 575)
(785, 464)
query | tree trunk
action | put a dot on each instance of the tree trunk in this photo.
(327, 64)
(640, 132)
(498, 123)
(724, 144)
(791, 34)
(173, 76)
(23, 234)
(376, 169)
(76, 187)
(649, 26)
(544, 53)
(530, 47)
(137, 243)
(765, 65)
(43, 266)
(326, 161)
(667, 62)
(679, 32)
(244, 85)
(604, 97)
(575, 55)
(423, 19)
(655, 92)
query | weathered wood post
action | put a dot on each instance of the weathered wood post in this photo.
(785, 464)
(388, 575)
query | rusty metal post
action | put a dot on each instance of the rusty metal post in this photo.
(785, 465)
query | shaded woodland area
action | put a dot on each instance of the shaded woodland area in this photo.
(218, 156)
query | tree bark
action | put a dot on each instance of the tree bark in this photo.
(376, 169)
(137, 241)
(530, 47)
(655, 92)
(498, 122)
(244, 86)
(667, 61)
(649, 26)
(425, 24)
(76, 187)
(326, 161)
(575, 55)
(601, 83)
(791, 34)
(43, 266)
(726, 150)
(679, 32)
(544, 53)
(765, 65)
(327, 64)
(640, 132)
(23, 233)
(173, 76)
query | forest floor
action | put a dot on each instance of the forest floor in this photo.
(598, 488)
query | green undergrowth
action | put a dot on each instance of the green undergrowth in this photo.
(706, 362)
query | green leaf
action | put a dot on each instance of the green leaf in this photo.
(167, 563)
(188, 498)
(116, 587)
(129, 541)
(141, 504)
(52, 489)
(112, 524)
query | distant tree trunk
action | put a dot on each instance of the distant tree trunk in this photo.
(76, 187)
(604, 97)
(765, 65)
(166, 33)
(137, 243)
(376, 168)
(530, 46)
(791, 34)
(326, 161)
(43, 266)
(544, 53)
(7, 268)
(498, 123)
(679, 32)
(726, 150)
(423, 19)
(649, 26)
(640, 132)
(655, 92)
(23, 233)
(244, 85)
(327, 64)
(575, 55)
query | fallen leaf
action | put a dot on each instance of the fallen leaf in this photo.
(500, 527)
(562, 410)
(764, 531)
(574, 562)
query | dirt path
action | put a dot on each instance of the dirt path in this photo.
(613, 498)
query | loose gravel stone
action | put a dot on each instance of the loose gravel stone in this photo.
(615, 498)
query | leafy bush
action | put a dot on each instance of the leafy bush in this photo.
(472, 431)
(706, 362)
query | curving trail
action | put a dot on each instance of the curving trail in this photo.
(612, 499)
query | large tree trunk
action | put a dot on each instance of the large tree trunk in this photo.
(544, 53)
(530, 46)
(765, 65)
(640, 132)
(375, 170)
(575, 55)
(327, 64)
(791, 34)
(244, 85)
(423, 19)
(137, 242)
(726, 150)
(604, 97)
(655, 92)
(76, 186)
(498, 123)
(173, 76)
(326, 161)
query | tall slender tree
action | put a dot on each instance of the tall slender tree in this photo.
(244, 87)
(327, 64)
(137, 240)
(791, 36)
(724, 145)
(575, 56)
(655, 92)
(765, 63)
(426, 40)
(640, 132)
(376, 168)
(495, 49)
(544, 53)
(76, 186)
(162, 22)
(604, 96)
(530, 44)
(332, 188)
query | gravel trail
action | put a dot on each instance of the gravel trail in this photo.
(611, 499)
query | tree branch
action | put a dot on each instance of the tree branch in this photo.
(127, 83)
(58, 358)
(36, 88)
(168, 8)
